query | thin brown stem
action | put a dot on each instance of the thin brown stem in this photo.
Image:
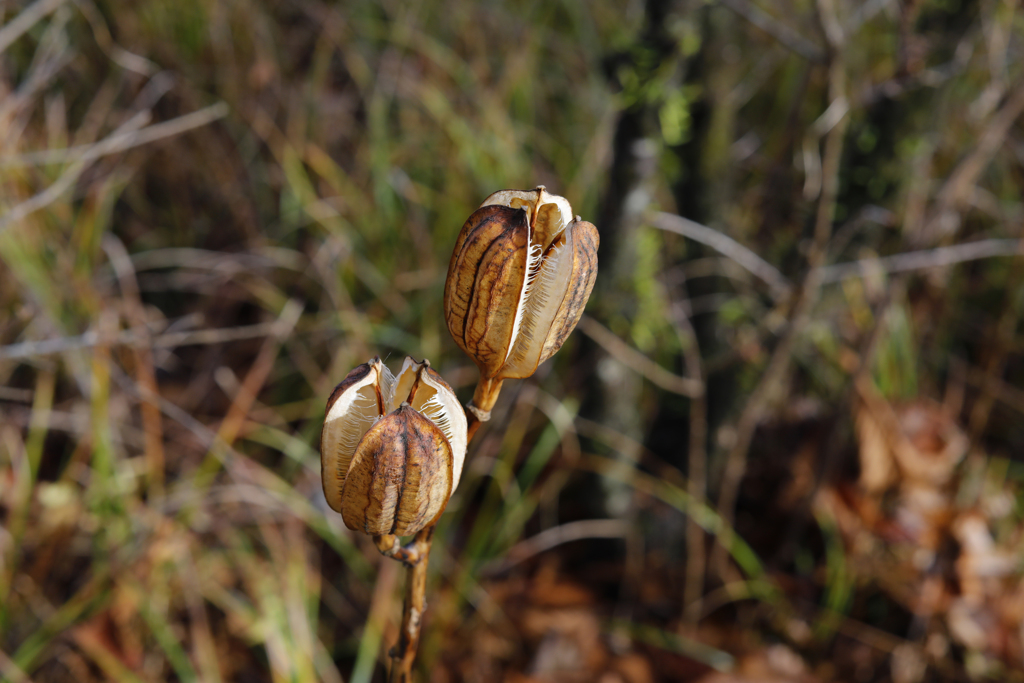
(416, 555)
(403, 654)
(479, 409)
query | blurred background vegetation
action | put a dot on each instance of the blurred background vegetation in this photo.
(785, 444)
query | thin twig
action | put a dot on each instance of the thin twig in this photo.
(52, 54)
(638, 362)
(920, 260)
(70, 176)
(77, 423)
(184, 257)
(869, 213)
(119, 55)
(727, 246)
(134, 337)
(16, 395)
(696, 475)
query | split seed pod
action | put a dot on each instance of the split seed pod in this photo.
(521, 273)
(392, 448)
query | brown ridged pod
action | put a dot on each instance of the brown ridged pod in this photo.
(518, 280)
(486, 273)
(401, 476)
(392, 448)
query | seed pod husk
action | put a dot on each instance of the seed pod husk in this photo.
(518, 280)
(392, 449)
(400, 478)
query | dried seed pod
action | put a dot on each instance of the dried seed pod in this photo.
(392, 448)
(521, 273)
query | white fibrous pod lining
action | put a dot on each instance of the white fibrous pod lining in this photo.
(548, 289)
(360, 416)
(347, 420)
(437, 412)
(438, 404)
(533, 270)
(387, 387)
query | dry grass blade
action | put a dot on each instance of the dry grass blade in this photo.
(29, 17)
(136, 313)
(254, 380)
(554, 537)
(12, 671)
(638, 362)
(725, 245)
(131, 136)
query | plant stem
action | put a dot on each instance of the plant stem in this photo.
(479, 409)
(404, 653)
(416, 555)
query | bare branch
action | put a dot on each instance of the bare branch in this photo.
(920, 260)
(132, 338)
